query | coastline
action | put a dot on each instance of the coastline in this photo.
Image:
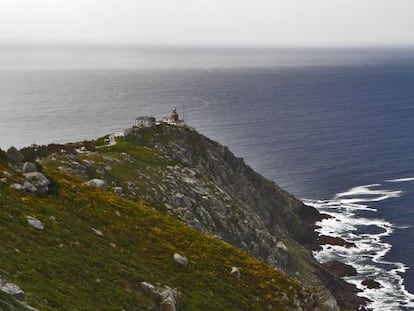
(305, 234)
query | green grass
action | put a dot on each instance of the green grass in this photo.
(68, 267)
(8, 303)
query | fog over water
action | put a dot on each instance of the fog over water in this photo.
(19, 57)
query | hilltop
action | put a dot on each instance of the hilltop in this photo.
(114, 216)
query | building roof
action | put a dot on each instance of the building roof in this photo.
(145, 118)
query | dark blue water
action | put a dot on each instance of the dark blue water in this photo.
(318, 131)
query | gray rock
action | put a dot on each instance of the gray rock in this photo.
(12, 289)
(328, 302)
(187, 202)
(118, 190)
(35, 223)
(179, 195)
(14, 155)
(280, 245)
(169, 299)
(17, 186)
(29, 167)
(88, 162)
(39, 181)
(254, 247)
(97, 232)
(182, 260)
(28, 186)
(148, 287)
(3, 180)
(6, 174)
(96, 183)
(165, 297)
(235, 272)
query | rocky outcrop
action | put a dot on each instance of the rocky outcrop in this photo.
(340, 269)
(11, 289)
(36, 182)
(165, 298)
(14, 155)
(371, 284)
(12, 297)
(33, 182)
(324, 239)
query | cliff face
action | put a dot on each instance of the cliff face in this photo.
(219, 194)
(186, 175)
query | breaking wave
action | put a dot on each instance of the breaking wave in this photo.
(353, 219)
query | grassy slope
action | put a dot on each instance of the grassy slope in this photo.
(68, 267)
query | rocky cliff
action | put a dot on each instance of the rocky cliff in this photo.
(179, 172)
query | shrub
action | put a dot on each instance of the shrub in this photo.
(2, 155)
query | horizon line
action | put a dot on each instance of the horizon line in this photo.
(202, 46)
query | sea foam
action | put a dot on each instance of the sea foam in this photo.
(349, 221)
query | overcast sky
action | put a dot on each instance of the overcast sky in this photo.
(208, 22)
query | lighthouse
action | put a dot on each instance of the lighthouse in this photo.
(173, 119)
(174, 115)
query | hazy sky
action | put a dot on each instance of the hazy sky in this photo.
(209, 22)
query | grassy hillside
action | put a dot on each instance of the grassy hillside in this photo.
(67, 266)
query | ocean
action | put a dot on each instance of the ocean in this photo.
(333, 127)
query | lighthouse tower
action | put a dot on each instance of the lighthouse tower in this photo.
(173, 119)
(174, 115)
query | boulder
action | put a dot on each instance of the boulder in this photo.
(324, 239)
(169, 299)
(39, 181)
(371, 284)
(97, 232)
(96, 183)
(340, 269)
(235, 272)
(182, 260)
(12, 290)
(28, 186)
(29, 167)
(35, 223)
(14, 155)
(165, 297)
